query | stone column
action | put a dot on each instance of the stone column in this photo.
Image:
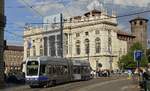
(2, 25)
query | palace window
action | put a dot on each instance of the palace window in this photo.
(45, 46)
(97, 45)
(28, 52)
(109, 44)
(86, 33)
(87, 46)
(78, 47)
(41, 40)
(97, 32)
(77, 34)
(58, 45)
(52, 49)
(34, 51)
(41, 50)
(109, 32)
(66, 43)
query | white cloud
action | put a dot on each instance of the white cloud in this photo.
(94, 5)
(76, 7)
(50, 7)
(137, 3)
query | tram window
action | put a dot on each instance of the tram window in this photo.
(61, 70)
(76, 70)
(54, 70)
(79, 70)
(57, 70)
(82, 69)
(42, 69)
(50, 69)
(65, 70)
(32, 68)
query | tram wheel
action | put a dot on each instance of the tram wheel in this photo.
(49, 83)
(53, 82)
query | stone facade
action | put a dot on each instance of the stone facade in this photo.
(2, 25)
(102, 36)
(126, 37)
(33, 42)
(139, 29)
(13, 57)
(93, 37)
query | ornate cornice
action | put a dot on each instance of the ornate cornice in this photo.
(89, 24)
(42, 32)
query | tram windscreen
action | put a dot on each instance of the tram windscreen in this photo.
(32, 68)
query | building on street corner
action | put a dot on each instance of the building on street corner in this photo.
(13, 57)
(93, 36)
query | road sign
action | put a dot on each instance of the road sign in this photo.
(138, 55)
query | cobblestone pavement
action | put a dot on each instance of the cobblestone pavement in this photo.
(97, 84)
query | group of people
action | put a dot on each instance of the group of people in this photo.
(101, 73)
(145, 78)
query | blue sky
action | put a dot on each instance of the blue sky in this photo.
(18, 14)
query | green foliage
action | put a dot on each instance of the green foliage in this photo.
(127, 61)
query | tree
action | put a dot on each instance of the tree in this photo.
(127, 61)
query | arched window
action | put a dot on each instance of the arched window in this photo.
(109, 44)
(78, 47)
(28, 52)
(97, 45)
(87, 46)
(34, 51)
(141, 22)
(41, 50)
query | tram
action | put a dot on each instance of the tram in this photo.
(47, 71)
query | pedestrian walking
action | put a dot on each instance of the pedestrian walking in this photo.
(146, 77)
(129, 74)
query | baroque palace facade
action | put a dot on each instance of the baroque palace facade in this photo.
(94, 37)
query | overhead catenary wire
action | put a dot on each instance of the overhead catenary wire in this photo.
(107, 18)
(118, 17)
(98, 19)
(15, 34)
(102, 18)
(28, 5)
